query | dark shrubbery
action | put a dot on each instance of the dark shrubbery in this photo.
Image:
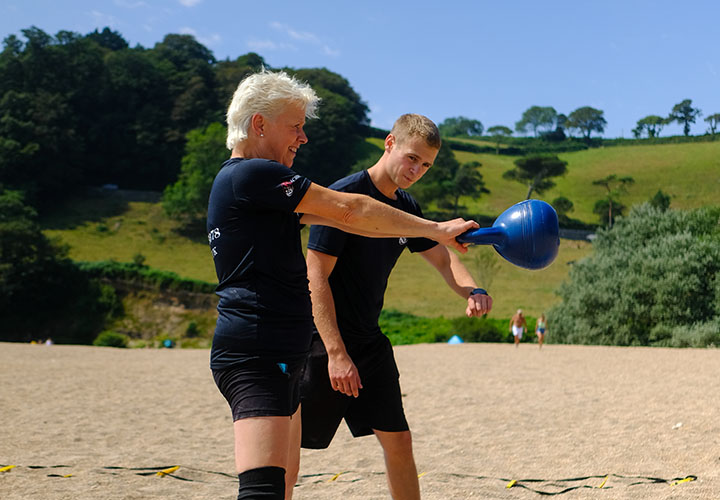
(653, 279)
(402, 328)
(43, 294)
(111, 339)
(132, 272)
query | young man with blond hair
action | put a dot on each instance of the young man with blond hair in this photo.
(351, 372)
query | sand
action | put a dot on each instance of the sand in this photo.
(482, 415)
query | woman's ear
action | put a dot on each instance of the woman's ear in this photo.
(257, 124)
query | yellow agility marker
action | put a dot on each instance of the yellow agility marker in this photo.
(336, 476)
(604, 481)
(7, 468)
(421, 474)
(169, 470)
(511, 483)
(686, 480)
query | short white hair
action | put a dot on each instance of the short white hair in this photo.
(266, 92)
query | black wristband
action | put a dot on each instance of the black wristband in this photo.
(480, 291)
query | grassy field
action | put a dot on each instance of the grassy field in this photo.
(689, 173)
(120, 225)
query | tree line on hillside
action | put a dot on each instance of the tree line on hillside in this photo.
(79, 110)
(545, 123)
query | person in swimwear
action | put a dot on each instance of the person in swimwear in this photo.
(518, 326)
(541, 329)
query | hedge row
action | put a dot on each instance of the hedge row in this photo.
(141, 274)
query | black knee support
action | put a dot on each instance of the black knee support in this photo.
(266, 483)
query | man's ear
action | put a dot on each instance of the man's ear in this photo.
(389, 142)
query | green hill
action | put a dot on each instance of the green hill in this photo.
(122, 224)
(689, 172)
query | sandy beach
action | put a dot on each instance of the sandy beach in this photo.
(82, 422)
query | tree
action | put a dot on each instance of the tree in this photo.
(610, 205)
(500, 132)
(448, 180)
(437, 182)
(205, 151)
(334, 140)
(49, 85)
(537, 117)
(109, 39)
(562, 206)
(192, 84)
(684, 113)
(661, 201)
(229, 74)
(535, 172)
(460, 126)
(587, 120)
(713, 121)
(42, 293)
(651, 280)
(467, 182)
(652, 124)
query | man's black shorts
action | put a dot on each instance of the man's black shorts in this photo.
(379, 405)
(261, 388)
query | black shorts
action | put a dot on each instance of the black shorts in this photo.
(261, 388)
(378, 407)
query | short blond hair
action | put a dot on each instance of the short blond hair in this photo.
(414, 125)
(267, 93)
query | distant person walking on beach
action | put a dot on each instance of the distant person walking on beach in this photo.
(541, 329)
(518, 326)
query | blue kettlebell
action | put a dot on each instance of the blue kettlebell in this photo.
(526, 234)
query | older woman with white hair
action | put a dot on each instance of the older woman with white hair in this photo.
(256, 208)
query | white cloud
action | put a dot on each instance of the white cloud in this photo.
(304, 36)
(297, 35)
(102, 19)
(330, 52)
(207, 40)
(260, 45)
(130, 4)
(189, 3)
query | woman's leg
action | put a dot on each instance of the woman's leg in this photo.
(261, 456)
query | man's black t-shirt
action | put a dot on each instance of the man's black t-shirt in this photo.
(254, 236)
(359, 278)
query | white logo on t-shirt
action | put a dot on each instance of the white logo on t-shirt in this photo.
(288, 186)
(402, 241)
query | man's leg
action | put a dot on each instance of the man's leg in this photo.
(402, 474)
(293, 464)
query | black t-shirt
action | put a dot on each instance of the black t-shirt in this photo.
(359, 278)
(254, 236)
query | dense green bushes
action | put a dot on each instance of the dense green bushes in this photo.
(43, 294)
(402, 328)
(111, 339)
(653, 279)
(132, 272)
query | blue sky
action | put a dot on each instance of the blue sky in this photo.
(486, 60)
